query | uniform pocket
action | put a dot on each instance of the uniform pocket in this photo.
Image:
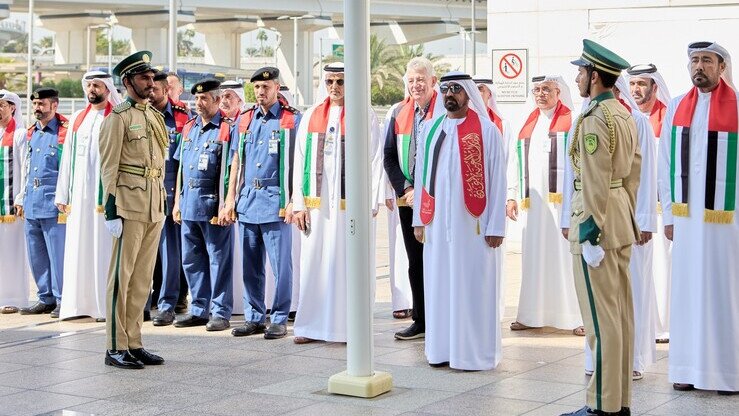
(132, 182)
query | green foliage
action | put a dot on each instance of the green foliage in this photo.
(185, 44)
(249, 95)
(120, 46)
(68, 88)
(387, 67)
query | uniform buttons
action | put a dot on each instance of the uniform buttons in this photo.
(190, 167)
(196, 148)
(35, 168)
(259, 165)
(260, 142)
(38, 150)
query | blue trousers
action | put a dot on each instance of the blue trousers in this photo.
(45, 242)
(207, 258)
(275, 240)
(170, 252)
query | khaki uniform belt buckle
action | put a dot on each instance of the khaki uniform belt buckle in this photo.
(151, 173)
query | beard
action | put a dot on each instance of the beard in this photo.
(451, 104)
(144, 93)
(94, 98)
(39, 114)
(700, 80)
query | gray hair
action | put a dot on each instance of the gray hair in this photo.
(216, 94)
(420, 64)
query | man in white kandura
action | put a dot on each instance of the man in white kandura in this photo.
(698, 188)
(650, 92)
(548, 295)
(640, 265)
(14, 284)
(319, 211)
(459, 214)
(79, 194)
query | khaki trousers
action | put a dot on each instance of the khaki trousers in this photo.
(604, 294)
(129, 282)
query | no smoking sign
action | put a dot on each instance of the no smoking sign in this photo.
(510, 74)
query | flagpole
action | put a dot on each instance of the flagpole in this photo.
(29, 67)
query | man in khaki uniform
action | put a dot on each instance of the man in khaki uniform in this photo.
(606, 161)
(133, 141)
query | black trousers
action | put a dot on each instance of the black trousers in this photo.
(415, 264)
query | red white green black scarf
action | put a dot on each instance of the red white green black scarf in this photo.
(472, 160)
(77, 123)
(7, 204)
(314, 145)
(559, 130)
(721, 160)
(404, 128)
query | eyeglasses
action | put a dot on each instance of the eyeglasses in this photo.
(541, 90)
(339, 82)
(454, 88)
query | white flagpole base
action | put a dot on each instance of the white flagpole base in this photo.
(365, 387)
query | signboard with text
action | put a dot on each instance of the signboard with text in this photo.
(511, 74)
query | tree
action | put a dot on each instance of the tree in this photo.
(45, 42)
(185, 44)
(120, 46)
(261, 37)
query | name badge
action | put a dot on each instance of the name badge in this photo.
(328, 146)
(203, 162)
(81, 149)
(274, 143)
(248, 137)
(547, 145)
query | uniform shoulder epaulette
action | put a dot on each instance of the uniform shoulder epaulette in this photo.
(125, 105)
(290, 109)
(180, 108)
(593, 104)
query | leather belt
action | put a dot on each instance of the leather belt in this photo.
(193, 183)
(143, 171)
(616, 183)
(258, 183)
(43, 181)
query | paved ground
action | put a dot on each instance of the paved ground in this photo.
(53, 367)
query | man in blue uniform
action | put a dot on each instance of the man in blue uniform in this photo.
(259, 192)
(44, 227)
(202, 183)
(170, 286)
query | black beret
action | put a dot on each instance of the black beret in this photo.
(44, 92)
(205, 85)
(265, 74)
(160, 76)
(134, 64)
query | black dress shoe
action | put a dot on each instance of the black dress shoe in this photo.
(190, 320)
(249, 328)
(625, 411)
(146, 357)
(147, 316)
(55, 313)
(217, 324)
(122, 359)
(291, 316)
(439, 365)
(412, 332)
(276, 331)
(38, 308)
(727, 393)
(586, 411)
(163, 318)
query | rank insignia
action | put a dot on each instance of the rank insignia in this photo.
(591, 143)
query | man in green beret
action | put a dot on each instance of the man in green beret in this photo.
(606, 160)
(133, 142)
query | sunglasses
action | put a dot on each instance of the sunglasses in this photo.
(454, 88)
(339, 82)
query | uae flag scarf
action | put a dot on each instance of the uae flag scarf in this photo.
(559, 130)
(721, 158)
(77, 123)
(7, 204)
(472, 163)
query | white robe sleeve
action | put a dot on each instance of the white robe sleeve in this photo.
(646, 196)
(378, 177)
(20, 153)
(496, 182)
(299, 162)
(65, 167)
(664, 156)
(512, 168)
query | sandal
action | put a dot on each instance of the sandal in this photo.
(402, 314)
(588, 373)
(579, 331)
(636, 375)
(303, 340)
(683, 386)
(8, 309)
(518, 326)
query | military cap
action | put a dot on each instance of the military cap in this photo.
(600, 58)
(134, 64)
(265, 74)
(334, 67)
(44, 92)
(160, 76)
(205, 85)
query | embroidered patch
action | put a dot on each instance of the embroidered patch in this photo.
(591, 143)
(135, 127)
